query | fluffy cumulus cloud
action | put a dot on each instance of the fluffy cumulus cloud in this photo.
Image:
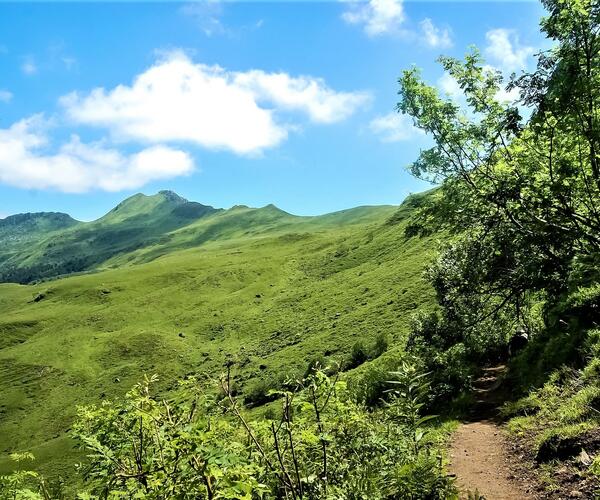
(77, 167)
(434, 37)
(305, 94)
(505, 51)
(394, 127)
(377, 17)
(179, 100)
(5, 95)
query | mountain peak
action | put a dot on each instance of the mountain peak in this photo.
(141, 204)
(172, 196)
(274, 209)
(23, 228)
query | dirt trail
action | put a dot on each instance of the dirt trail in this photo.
(479, 456)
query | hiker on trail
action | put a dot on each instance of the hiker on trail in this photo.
(518, 342)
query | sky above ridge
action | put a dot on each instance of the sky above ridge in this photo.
(227, 103)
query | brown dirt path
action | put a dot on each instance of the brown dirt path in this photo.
(480, 458)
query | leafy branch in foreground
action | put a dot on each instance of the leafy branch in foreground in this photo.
(150, 448)
(322, 445)
(23, 483)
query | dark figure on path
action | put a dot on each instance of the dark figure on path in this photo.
(517, 342)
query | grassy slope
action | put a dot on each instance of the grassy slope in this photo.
(17, 232)
(137, 222)
(292, 289)
(559, 377)
(241, 223)
(43, 246)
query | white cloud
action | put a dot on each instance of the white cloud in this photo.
(394, 127)
(505, 50)
(5, 95)
(29, 67)
(450, 87)
(78, 167)
(206, 15)
(377, 17)
(309, 95)
(508, 96)
(433, 36)
(178, 100)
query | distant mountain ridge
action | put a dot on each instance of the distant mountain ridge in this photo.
(46, 221)
(47, 244)
(21, 229)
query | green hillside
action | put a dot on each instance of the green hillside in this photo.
(19, 231)
(136, 222)
(261, 286)
(41, 246)
(447, 348)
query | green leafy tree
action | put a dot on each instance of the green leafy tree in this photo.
(520, 196)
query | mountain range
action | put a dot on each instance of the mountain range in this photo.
(46, 245)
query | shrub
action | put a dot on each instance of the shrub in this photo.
(380, 346)
(323, 445)
(22, 483)
(145, 447)
(358, 355)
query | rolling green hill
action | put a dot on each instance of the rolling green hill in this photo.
(261, 286)
(19, 231)
(138, 221)
(41, 246)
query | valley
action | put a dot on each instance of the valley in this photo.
(266, 289)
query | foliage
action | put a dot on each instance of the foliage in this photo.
(361, 353)
(323, 445)
(565, 406)
(595, 467)
(358, 355)
(22, 484)
(519, 196)
(149, 448)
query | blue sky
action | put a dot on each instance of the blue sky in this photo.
(228, 103)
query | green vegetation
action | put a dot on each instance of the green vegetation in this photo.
(141, 228)
(274, 299)
(182, 290)
(519, 199)
(57, 244)
(323, 444)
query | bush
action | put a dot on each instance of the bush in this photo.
(443, 354)
(324, 445)
(22, 483)
(358, 355)
(380, 346)
(263, 390)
